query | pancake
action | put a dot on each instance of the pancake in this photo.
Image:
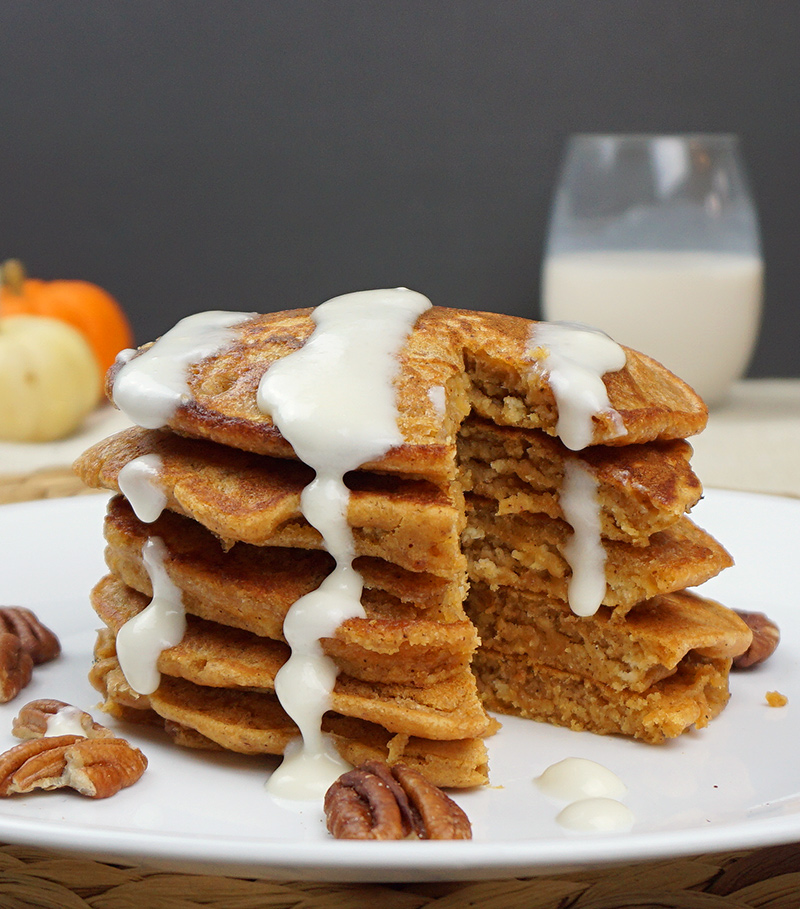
(649, 644)
(524, 471)
(483, 361)
(690, 698)
(469, 528)
(254, 723)
(217, 656)
(242, 497)
(526, 551)
(402, 637)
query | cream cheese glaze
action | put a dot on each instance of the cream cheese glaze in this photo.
(138, 482)
(593, 794)
(161, 625)
(575, 778)
(148, 389)
(151, 385)
(584, 550)
(334, 401)
(596, 815)
(576, 359)
(65, 721)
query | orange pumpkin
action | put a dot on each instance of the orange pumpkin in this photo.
(85, 306)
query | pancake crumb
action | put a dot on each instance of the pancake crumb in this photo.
(776, 699)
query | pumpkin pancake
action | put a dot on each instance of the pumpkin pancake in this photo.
(484, 362)
(524, 471)
(649, 644)
(253, 722)
(690, 698)
(462, 534)
(402, 637)
(525, 551)
(219, 656)
(243, 497)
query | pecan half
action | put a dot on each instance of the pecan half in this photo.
(41, 717)
(36, 638)
(97, 768)
(378, 802)
(766, 637)
(16, 667)
(435, 816)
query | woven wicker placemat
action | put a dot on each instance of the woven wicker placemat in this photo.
(768, 878)
(29, 877)
(52, 483)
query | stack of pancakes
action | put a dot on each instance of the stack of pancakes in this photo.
(460, 537)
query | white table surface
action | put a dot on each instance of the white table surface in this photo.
(752, 442)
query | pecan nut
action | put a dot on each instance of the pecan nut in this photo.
(37, 639)
(16, 667)
(40, 718)
(766, 636)
(378, 802)
(96, 767)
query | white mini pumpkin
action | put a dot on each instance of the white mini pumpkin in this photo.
(49, 379)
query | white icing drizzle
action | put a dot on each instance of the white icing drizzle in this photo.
(597, 815)
(160, 626)
(334, 401)
(579, 778)
(65, 721)
(138, 482)
(577, 358)
(592, 792)
(584, 550)
(149, 387)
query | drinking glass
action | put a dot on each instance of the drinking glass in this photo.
(654, 239)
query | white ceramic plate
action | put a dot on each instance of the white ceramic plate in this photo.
(733, 785)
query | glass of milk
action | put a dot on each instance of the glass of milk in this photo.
(654, 239)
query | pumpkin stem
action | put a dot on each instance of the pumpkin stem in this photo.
(12, 274)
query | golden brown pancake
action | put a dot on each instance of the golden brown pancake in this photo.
(525, 551)
(218, 656)
(649, 644)
(465, 512)
(244, 497)
(484, 362)
(252, 722)
(524, 471)
(403, 637)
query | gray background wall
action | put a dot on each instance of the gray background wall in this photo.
(265, 155)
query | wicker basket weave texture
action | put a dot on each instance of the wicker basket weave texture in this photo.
(767, 878)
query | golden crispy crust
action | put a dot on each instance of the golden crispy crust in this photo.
(253, 722)
(218, 656)
(267, 580)
(403, 638)
(244, 497)
(493, 349)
